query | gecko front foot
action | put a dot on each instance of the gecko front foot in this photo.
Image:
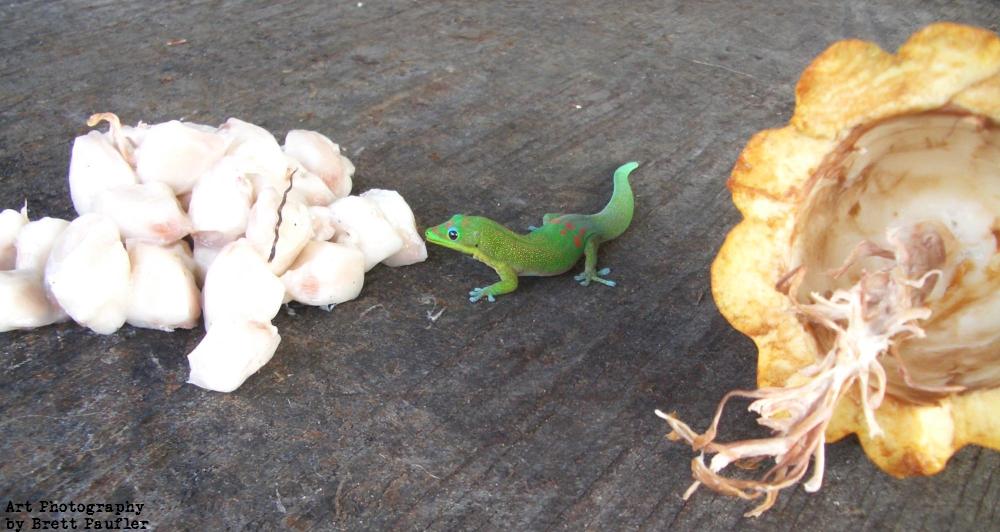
(477, 293)
(585, 277)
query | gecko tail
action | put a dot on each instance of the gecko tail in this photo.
(616, 216)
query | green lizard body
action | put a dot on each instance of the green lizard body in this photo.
(551, 249)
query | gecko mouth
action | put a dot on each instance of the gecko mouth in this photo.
(434, 236)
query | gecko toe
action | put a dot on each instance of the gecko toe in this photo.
(586, 277)
(478, 293)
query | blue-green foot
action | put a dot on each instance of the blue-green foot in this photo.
(586, 277)
(477, 293)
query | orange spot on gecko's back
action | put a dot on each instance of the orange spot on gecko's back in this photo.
(578, 238)
(569, 226)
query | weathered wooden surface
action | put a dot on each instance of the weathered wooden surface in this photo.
(534, 412)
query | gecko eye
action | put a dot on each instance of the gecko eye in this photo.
(453, 233)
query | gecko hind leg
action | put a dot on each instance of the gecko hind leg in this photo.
(590, 272)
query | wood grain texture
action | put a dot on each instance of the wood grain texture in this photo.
(532, 413)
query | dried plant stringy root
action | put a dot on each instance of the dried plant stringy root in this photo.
(868, 319)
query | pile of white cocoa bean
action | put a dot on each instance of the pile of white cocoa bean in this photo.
(179, 221)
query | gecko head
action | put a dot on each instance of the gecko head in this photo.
(459, 233)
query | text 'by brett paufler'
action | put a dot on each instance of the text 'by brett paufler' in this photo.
(52, 515)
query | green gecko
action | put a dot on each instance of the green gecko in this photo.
(551, 249)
